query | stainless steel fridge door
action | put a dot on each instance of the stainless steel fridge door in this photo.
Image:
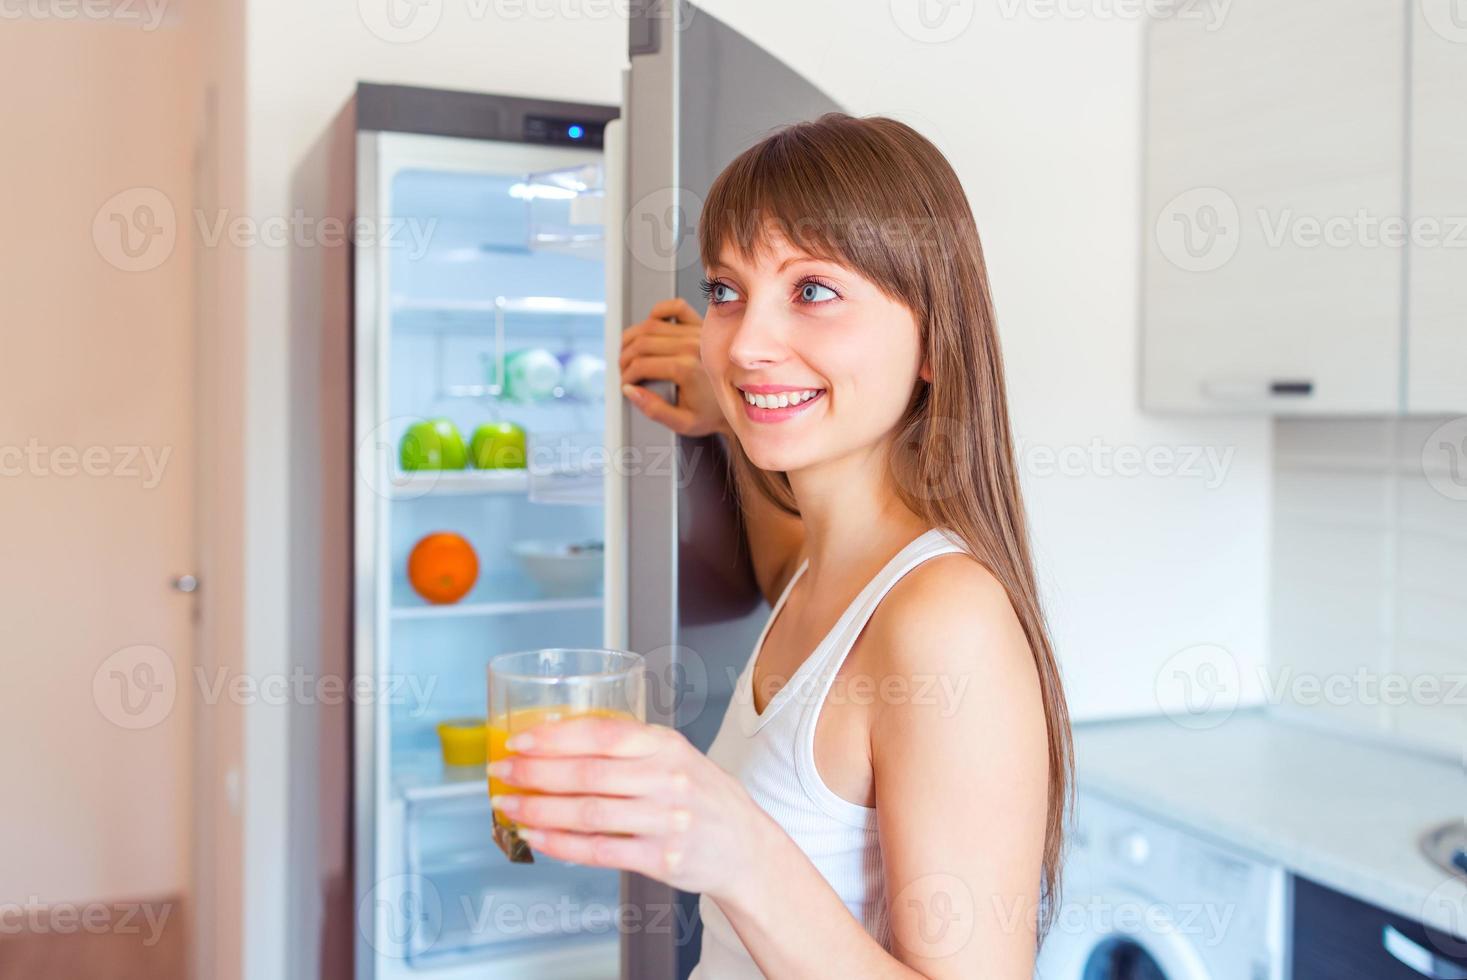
(698, 93)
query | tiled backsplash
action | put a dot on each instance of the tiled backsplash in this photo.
(1369, 592)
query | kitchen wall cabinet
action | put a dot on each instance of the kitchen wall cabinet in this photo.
(1436, 326)
(1305, 210)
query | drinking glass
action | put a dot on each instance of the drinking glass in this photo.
(536, 686)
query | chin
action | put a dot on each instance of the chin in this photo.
(770, 454)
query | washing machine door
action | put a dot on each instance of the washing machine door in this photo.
(1118, 936)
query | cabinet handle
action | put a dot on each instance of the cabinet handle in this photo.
(1418, 957)
(1252, 389)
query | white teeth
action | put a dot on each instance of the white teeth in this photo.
(784, 399)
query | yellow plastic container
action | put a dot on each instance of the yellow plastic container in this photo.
(465, 741)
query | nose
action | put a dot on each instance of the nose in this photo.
(759, 340)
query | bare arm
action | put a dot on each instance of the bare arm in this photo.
(960, 769)
(665, 347)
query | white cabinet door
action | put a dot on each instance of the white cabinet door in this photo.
(1436, 333)
(1274, 164)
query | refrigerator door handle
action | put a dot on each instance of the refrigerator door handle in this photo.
(614, 607)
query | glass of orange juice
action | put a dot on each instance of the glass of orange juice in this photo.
(536, 686)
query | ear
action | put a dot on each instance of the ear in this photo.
(925, 371)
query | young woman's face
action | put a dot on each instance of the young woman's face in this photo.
(810, 360)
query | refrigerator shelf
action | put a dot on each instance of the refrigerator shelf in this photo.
(477, 316)
(422, 777)
(466, 609)
(456, 483)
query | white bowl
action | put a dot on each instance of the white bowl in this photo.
(563, 568)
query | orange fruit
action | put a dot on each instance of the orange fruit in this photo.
(442, 567)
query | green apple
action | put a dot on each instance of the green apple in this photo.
(498, 446)
(432, 445)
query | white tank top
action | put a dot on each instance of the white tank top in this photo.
(773, 755)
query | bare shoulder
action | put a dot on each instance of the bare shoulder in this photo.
(938, 614)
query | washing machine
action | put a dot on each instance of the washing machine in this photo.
(1142, 899)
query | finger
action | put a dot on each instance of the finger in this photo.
(650, 344)
(677, 308)
(624, 738)
(583, 775)
(644, 855)
(656, 408)
(595, 814)
(660, 368)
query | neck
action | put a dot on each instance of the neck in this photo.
(850, 508)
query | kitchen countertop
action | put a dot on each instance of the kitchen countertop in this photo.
(1345, 811)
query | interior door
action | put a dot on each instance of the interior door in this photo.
(698, 94)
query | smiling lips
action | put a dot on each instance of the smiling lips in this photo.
(776, 403)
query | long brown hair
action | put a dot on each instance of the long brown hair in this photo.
(873, 194)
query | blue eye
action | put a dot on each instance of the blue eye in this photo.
(717, 292)
(814, 292)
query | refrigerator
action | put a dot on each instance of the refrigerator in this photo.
(502, 245)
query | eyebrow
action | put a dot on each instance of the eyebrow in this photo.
(792, 260)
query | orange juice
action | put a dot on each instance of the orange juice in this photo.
(523, 719)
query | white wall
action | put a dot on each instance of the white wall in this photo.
(1041, 117)
(1370, 578)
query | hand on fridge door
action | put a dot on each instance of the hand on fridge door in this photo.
(662, 349)
(618, 793)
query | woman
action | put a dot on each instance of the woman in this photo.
(886, 794)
